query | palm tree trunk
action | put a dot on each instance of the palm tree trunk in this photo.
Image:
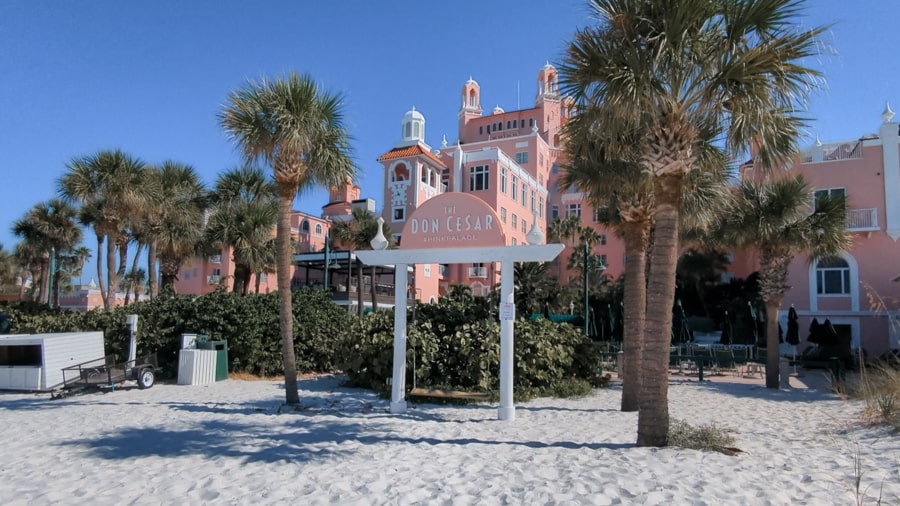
(359, 287)
(653, 414)
(45, 280)
(103, 293)
(122, 246)
(152, 280)
(772, 286)
(23, 278)
(636, 236)
(285, 310)
(374, 291)
(112, 278)
(54, 278)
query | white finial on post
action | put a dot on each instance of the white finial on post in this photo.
(535, 235)
(888, 114)
(379, 242)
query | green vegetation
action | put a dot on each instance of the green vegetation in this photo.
(454, 344)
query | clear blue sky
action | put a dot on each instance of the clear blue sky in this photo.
(149, 77)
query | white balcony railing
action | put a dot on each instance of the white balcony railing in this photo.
(861, 220)
(478, 272)
(833, 152)
(215, 259)
(213, 280)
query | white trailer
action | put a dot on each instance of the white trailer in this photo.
(35, 361)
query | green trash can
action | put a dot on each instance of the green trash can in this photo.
(221, 348)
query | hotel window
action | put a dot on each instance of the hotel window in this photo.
(499, 125)
(515, 123)
(318, 229)
(830, 192)
(598, 214)
(515, 221)
(503, 214)
(424, 174)
(533, 202)
(833, 277)
(602, 240)
(514, 242)
(522, 157)
(525, 226)
(304, 227)
(515, 187)
(445, 179)
(399, 214)
(554, 212)
(508, 125)
(480, 130)
(602, 259)
(541, 159)
(573, 210)
(503, 180)
(531, 122)
(541, 207)
(478, 178)
(524, 193)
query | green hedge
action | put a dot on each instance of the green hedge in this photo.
(452, 344)
(460, 350)
(248, 323)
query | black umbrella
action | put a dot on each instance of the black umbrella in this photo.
(793, 328)
(829, 334)
(815, 332)
(681, 331)
(754, 322)
(726, 330)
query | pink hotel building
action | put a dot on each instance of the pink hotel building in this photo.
(858, 292)
(511, 161)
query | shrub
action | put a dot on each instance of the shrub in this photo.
(704, 437)
(879, 387)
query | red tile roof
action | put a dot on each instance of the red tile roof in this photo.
(413, 150)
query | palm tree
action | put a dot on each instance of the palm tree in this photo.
(356, 234)
(109, 188)
(298, 130)
(173, 217)
(51, 227)
(243, 212)
(8, 268)
(780, 219)
(665, 71)
(133, 283)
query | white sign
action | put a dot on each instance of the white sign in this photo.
(507, 311)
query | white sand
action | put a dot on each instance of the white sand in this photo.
(227, 444)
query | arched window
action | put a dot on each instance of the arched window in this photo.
(304, 227)
(833, 277)
(472, 98)
(415, 130)
(318, 229)
(400, 173)
(408, 130)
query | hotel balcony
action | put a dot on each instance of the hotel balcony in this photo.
(862, 220)
(213, 280)
(215, 259)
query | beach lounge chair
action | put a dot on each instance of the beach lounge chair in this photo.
(724, 360)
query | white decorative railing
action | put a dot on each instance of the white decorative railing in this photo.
(862, 219)
(215, 259)
(478, 272)
(213, 280)
(833, 152)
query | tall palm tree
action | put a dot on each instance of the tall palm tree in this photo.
(50, 225)
(173, 216)
(355, 234)
(666, 70)
(297, 129)
(779, 219)
(108, 185)
(243, 212)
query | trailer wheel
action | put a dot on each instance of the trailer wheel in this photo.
(146, 378)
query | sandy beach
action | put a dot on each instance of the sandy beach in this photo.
(232, 443)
